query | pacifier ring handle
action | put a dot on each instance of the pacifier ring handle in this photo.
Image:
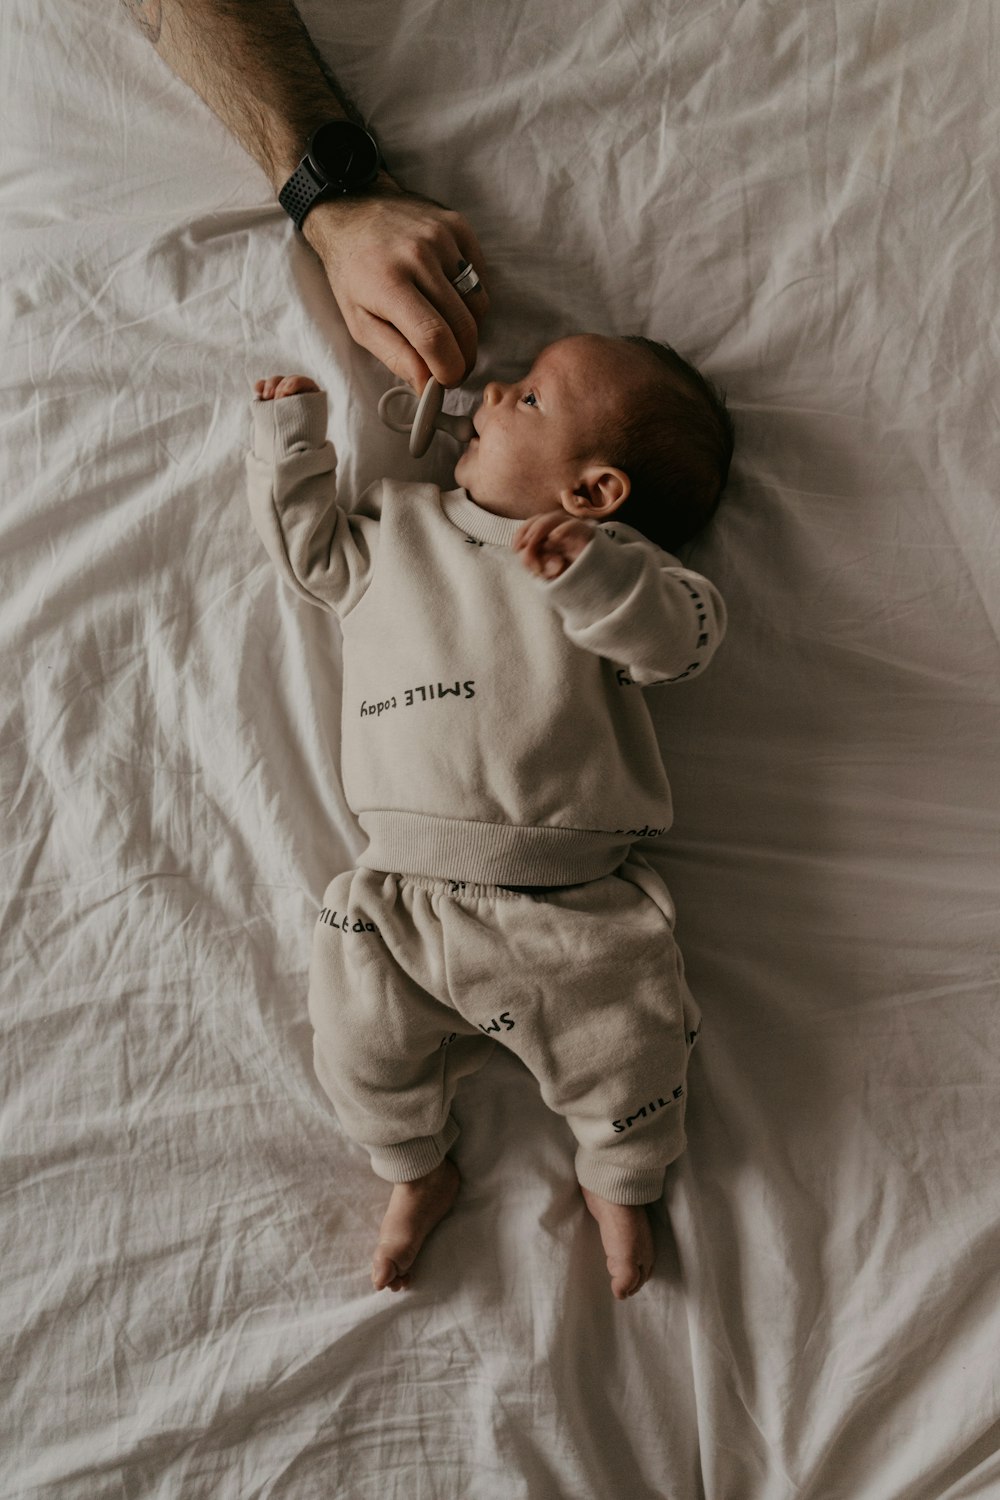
(386, 401)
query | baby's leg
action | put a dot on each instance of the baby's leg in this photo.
(414, 1210)
(589, 992)
(388, 1053)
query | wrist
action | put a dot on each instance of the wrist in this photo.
(325, 219)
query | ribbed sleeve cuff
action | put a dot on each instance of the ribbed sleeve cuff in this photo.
(288, 425)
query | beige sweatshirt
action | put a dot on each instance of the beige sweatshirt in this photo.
(494, 727)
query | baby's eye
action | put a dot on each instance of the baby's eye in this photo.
(529, 398)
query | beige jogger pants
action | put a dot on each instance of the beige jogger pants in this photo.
(414, 980)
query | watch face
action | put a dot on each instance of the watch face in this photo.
(345, 154)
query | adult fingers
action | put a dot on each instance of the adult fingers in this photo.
(441, 325)
(448, 246)
(439, 291)
(388, 345)
(478, 302)
(413, 312)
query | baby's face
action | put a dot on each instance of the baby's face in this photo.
(535, 436)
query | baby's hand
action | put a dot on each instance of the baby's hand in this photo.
(284, 385)
(550, 542)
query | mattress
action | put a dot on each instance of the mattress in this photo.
(803, 200)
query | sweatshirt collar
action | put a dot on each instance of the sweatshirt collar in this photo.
(496, 531)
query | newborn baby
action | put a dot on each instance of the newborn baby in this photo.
(499, 754)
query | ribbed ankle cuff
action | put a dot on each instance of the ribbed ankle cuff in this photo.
(629, 1186)
(412, 1159)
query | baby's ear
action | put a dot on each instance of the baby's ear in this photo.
(600, 492)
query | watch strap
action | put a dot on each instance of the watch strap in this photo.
(300, 193)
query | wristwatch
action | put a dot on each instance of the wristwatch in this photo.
(341, 157)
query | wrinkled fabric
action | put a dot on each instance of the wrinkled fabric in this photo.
(803, 199)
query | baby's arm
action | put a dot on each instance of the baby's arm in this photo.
(325, 553)
(625, 600)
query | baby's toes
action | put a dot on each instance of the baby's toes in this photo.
(627, 1276)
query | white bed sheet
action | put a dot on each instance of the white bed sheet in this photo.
(804, 199)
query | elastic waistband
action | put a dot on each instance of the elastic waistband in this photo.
(495, 854)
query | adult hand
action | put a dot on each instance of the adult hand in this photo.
(390, 258)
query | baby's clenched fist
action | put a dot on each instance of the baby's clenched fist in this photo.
(276, 386)
(549, 543)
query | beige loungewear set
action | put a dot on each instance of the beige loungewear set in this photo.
(499, 755)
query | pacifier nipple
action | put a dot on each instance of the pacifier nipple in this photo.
(424, 416)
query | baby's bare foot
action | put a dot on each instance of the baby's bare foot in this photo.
(414, 1209)
(628, 1243)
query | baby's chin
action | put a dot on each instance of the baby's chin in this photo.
(465, 475)
(479, 490)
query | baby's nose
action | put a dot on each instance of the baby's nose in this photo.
(492, 393)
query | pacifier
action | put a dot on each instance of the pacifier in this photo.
(425, 416)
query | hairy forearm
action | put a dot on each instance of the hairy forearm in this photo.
(255, 65)
(388, 253)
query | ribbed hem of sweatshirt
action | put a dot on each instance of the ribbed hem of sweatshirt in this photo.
(288, 425)
(405, 843)
(412, 1159)
(630, 1187)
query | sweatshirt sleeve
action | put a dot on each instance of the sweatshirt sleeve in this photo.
(641, 608)
(323, 552)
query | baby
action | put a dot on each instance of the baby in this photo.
(500, 756)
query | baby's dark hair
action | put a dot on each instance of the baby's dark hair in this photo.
(675, 443)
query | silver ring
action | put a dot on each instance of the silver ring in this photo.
(467, 280)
